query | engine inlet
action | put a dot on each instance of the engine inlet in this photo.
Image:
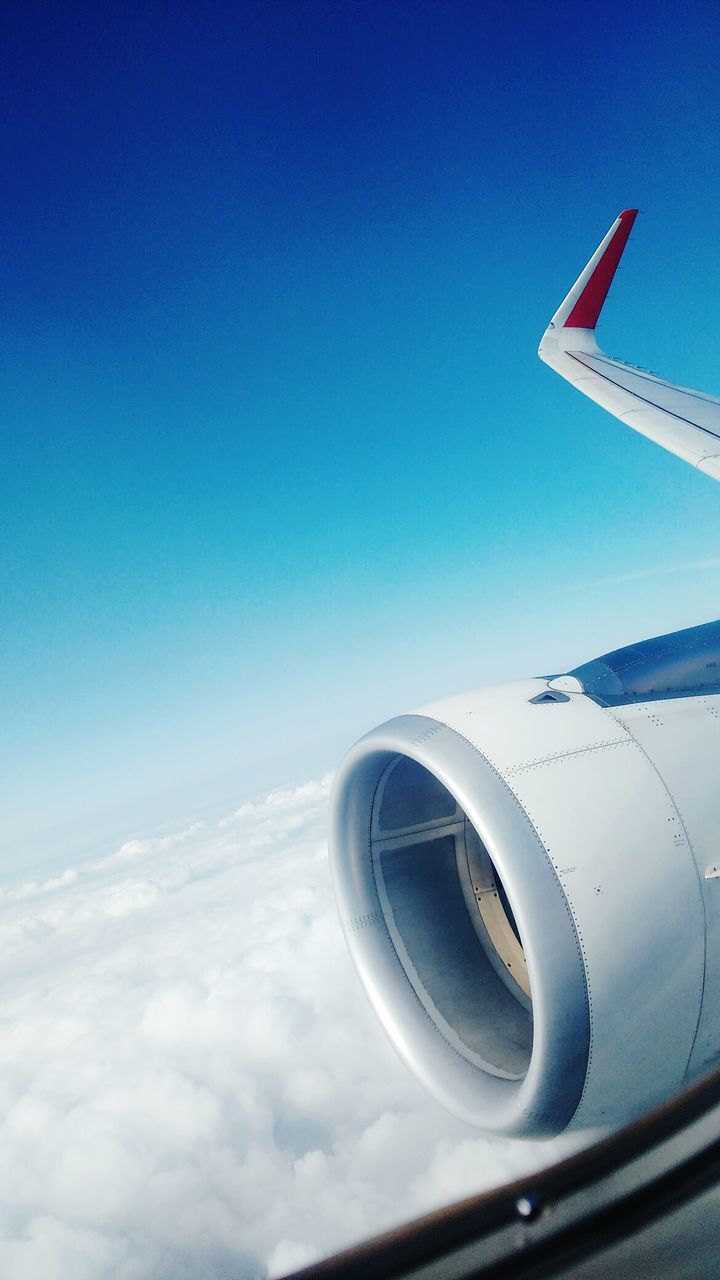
(450, 919)
(459, 927)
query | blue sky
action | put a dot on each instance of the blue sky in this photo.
(279, 458)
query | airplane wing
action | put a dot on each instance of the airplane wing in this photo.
(683, 421)
(482, 851)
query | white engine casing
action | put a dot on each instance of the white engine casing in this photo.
(602, 824)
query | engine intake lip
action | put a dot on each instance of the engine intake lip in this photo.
(542, 1097)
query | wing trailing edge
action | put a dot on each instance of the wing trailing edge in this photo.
(683, 421)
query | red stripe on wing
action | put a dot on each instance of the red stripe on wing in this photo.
(584, 314)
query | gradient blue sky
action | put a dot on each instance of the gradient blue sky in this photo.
(279, 458)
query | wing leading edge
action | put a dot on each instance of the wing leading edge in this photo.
(685, 422)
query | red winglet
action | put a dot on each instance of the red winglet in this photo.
(584, 314)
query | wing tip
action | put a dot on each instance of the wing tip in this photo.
(586, 309)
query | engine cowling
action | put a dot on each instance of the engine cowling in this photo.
(526, 876)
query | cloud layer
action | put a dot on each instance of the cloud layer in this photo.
(192, 1082)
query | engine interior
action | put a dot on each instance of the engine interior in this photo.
(450, 920)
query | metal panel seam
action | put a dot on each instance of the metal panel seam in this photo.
(696, 869)
(659, 408)
(565, 755)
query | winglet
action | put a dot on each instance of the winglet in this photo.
(583, 304)
(685, 422)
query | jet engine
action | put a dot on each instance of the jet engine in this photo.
(528, 877)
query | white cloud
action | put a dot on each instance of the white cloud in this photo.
(154, 844)
(191, 1081)
(31, 888)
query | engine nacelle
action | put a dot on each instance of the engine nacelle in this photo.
(528, 877)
